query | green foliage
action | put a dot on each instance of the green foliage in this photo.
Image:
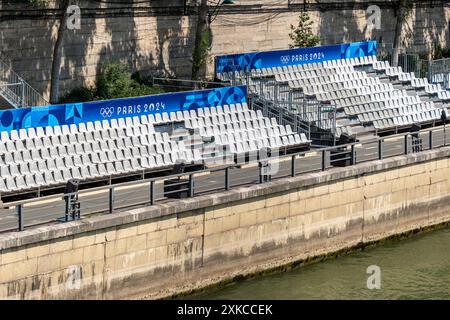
(441, 53)
(302, 35)
(113, 81)
(78, 95)
(38, 3)
(409, 6)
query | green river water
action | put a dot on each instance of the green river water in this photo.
(415, 268)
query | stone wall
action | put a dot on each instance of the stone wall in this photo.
(186, 244)
(163, 44)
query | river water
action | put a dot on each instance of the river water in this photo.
(415, 268)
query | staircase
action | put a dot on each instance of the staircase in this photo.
(15, 92)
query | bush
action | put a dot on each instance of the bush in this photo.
(78, 95)
(302, 35)
(113, 81)
(441, 53)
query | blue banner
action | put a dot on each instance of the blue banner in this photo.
(73, 113)
(279, 58)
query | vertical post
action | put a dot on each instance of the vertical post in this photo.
(323, 160)
(22, 99)
(247, 76)
(406, 144)
(430, 140)
(227, 178)
(191, 185)
(152, 192)
(445, 136)
(111, 200)
(430, 70)
(19, 209)
(67, 210)
(293, 167)
(260, 170)
(380, 149)
(334, 126)
(353, 156)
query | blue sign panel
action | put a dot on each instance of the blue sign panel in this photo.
(279, 58)
(73, 113)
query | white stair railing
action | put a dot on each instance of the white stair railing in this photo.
(16, 91)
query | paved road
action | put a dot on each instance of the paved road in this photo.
(137, 195)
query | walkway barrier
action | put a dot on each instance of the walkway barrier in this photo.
(115, 198)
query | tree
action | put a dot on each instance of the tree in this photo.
(57, 52)
(114, 80)
(302, 35)
(402, 13)
(202, 40)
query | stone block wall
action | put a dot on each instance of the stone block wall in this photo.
(163, 45)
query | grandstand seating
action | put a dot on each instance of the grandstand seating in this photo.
(45, 157)
(370, 97)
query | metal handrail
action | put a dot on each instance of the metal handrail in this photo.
(16, 90)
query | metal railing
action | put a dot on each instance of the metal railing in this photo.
(284, 115)
(436, 71)
(113, 198)
(289, 106)
(16, 91)
(439, 72)
(174, 84)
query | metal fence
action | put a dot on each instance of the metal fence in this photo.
(286, 113)
(177, 85)
(436, 71)
(113, 198)
(439, 72)
(289, 106)
(16, 91)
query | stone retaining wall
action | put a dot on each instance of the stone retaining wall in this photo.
(187, 244)
(163, 45)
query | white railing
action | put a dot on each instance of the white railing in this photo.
(16, 91)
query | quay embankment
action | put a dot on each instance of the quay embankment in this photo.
(187, 244)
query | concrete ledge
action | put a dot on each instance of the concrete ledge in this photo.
(55, 231)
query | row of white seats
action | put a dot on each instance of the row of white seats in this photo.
(407, 120)
(397, 111)
(394, 112)
(343, 130)
(381, 65)
(246, 133)
(336, 86)
(294, 139)
(406, 76)
(255, 145)
(19, 181)
(73, 141)
(378, 97)
(367, 91)
(342, 77)
(444, 95)
(224, 119)
(433, 89)
(85, 149)
(388, 104)
(358, 61)
(394, 71)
